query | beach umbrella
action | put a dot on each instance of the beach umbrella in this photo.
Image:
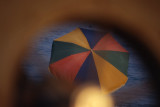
(89, 56)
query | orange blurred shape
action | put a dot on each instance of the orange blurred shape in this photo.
(90, 96)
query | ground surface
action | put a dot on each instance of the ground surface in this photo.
(136, 88)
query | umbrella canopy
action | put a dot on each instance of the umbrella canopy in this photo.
(86, 55)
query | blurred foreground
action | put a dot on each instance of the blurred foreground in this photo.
(21, 20)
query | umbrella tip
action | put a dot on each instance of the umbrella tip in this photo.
(91, 50)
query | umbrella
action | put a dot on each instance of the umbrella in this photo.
(86, 55)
